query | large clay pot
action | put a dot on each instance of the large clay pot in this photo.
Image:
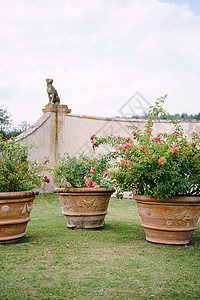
(84, 208)
(15, 208)
(169, 221)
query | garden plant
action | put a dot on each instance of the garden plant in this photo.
(19, 180)
(82, 171)
(160, 166)
(17, 172)
(163, 174)
(84, 190)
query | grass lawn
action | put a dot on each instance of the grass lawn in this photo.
(54, 262)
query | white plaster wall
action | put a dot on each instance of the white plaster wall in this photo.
(76, 130)
(64, 132)
(42, 135)
(60, 132)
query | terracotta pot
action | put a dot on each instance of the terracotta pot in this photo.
(15, 208)
(84, 208)
(170, 221)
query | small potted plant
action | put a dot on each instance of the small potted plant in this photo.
(163, 174)
(19, 179)
(83, 189)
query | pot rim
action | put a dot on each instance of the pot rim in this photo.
(83, 190)
(176, 199)
(19, 194)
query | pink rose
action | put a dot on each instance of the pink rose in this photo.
(175, 133)
(105, 173)
(95, 185)
(86, 180)
(133, 132)
(126, 145)
(119, 147)
(90, 183)
(153, 156)
(143, 147)
(132, 157)
(148, 132)
(157, 139)
(160, 161)
(126, 152)
(117, 137)
(175, 150)
(123, 162)
(133, 149)
(130, 164)
(93, 170)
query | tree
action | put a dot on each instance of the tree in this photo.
(182, 116)
(5, 120)
(6, 128)
(15, 131)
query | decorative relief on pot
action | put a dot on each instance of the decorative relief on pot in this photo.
(148, 212)
(24, 209)
(87, 202)
(186, 215)
(5, 208)
(144, 211)
(27, 208)
(66, 204)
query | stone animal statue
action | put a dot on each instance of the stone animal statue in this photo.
(52, 93)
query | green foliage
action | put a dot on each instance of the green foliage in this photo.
(6, 128)
(17, 173)
(5, 120)
(81, 171)
(185, 116)
(162, 166)
(17, 130)
(182, 116)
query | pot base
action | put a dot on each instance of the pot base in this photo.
(169, 221)
(84, 208)
(13, 239)
(88, 222)
(160, 236)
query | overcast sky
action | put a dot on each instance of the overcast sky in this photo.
(99, 53)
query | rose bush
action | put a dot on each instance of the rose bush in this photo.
(17, 172)
(159, 166)
(82, 171)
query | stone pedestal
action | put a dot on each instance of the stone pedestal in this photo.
(60, 108)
